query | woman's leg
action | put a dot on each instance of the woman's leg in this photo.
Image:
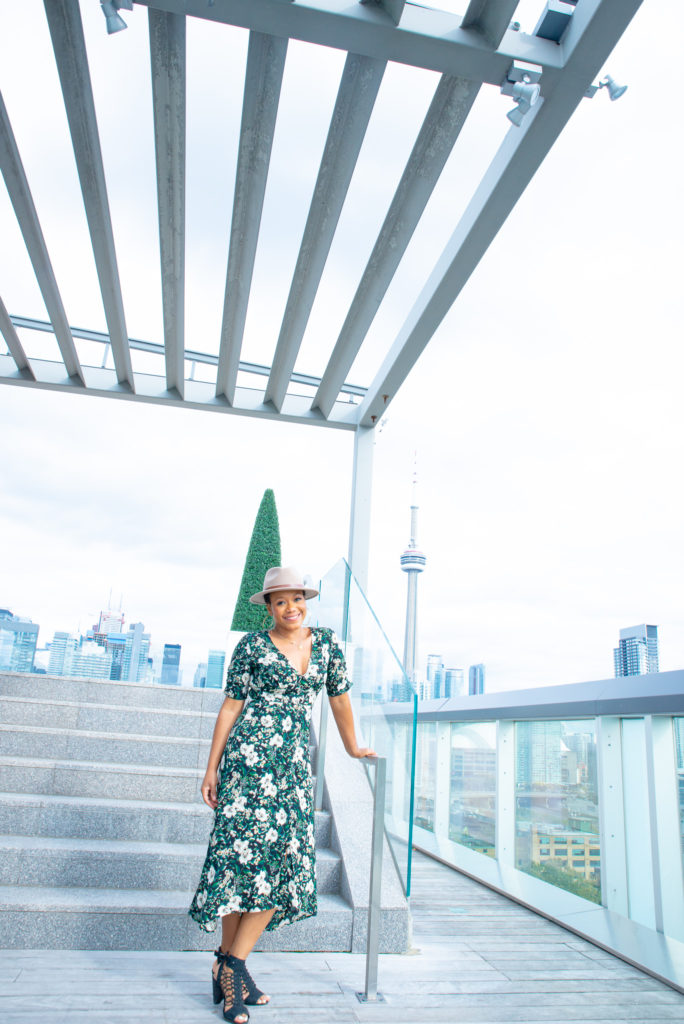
(250, 927)
(229, 926)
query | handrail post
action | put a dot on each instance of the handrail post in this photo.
(370, 993)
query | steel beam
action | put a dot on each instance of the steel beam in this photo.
(263, 79)
(25, 210)
(68, 42)
(13, 343)
(356, 98)
(207, 358)
(594, 30)
(102, 383)
(489, 18)
(443, 122)
(167, 57)
(425, 38)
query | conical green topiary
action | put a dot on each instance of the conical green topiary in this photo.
(263, 554)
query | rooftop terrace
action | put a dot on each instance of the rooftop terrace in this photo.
(477, 957)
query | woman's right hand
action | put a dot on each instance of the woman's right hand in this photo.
(209, 788)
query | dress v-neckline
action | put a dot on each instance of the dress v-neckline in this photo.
(299, 675)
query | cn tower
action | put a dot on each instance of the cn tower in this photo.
(412, 562)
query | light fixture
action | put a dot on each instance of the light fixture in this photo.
(521, 82)
(615, 91)
(115, 22)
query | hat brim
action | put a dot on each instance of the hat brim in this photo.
(260, 598)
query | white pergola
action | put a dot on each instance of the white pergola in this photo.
(565, 54)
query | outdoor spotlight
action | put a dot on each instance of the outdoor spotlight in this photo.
(115, 22)
(525, 94)
(521, 83)
(615, 91)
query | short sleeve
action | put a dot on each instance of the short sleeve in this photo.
(337, 680)
(239, 674)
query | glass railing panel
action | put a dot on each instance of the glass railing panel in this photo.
(472, 786)
(679, 749)
(557, 812)
(380, 688)
(637, 822)
(426, 775)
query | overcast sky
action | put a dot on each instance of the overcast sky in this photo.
(546, 412)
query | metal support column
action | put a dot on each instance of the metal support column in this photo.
(505, 793)
(360, 515)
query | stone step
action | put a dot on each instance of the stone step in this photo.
(68, 744)
(100, 691)
(40, 918)
(38, 861)
(23, 814)
(96, 778)
(114, 718)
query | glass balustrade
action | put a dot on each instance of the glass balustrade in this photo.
(472, 785)
(557, 834)
(380, 684)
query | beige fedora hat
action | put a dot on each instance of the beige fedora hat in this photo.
(282, 578)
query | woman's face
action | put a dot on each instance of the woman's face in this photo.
(288, 609)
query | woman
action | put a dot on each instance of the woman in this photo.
(260, 868)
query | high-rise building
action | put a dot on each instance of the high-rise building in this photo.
(170, 672)
(215, 663)
(413, 563)
(476, 680)
(200, 677)
(435, 677)
(637, 651)
(453, 682)
(135, 653)
(18, 641)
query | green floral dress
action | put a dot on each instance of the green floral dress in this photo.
(261, 850)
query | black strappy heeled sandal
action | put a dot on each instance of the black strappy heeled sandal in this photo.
(229, 985)
(254, 994)
(250, 993)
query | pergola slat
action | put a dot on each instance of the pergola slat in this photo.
(25, 210)
(66, 30)
(13, 342)
(426, 38)
(167, 56)
(595, 29)
(489, 18)
(263, 79)
(443, 122)
(356, 97)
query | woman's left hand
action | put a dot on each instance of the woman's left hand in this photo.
(362, 752)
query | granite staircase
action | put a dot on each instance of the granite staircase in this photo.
(102, 828)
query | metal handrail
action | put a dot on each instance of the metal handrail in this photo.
(370, 993)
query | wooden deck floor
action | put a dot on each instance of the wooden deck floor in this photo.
(478, 959)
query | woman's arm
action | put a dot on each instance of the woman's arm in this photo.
(342, 712)
(225, 720)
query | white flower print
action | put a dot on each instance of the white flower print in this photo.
(309, 887)
(266, 721)
(261, 814)
(247, 749)
(287, 724)
(202, 898)
(263, 887)
(306, 862)
(281, 816)
(211, 875)
(298, 756)
(241, 847)
(246, 677)
(293, 845)
(271, 836)
(276, 740)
